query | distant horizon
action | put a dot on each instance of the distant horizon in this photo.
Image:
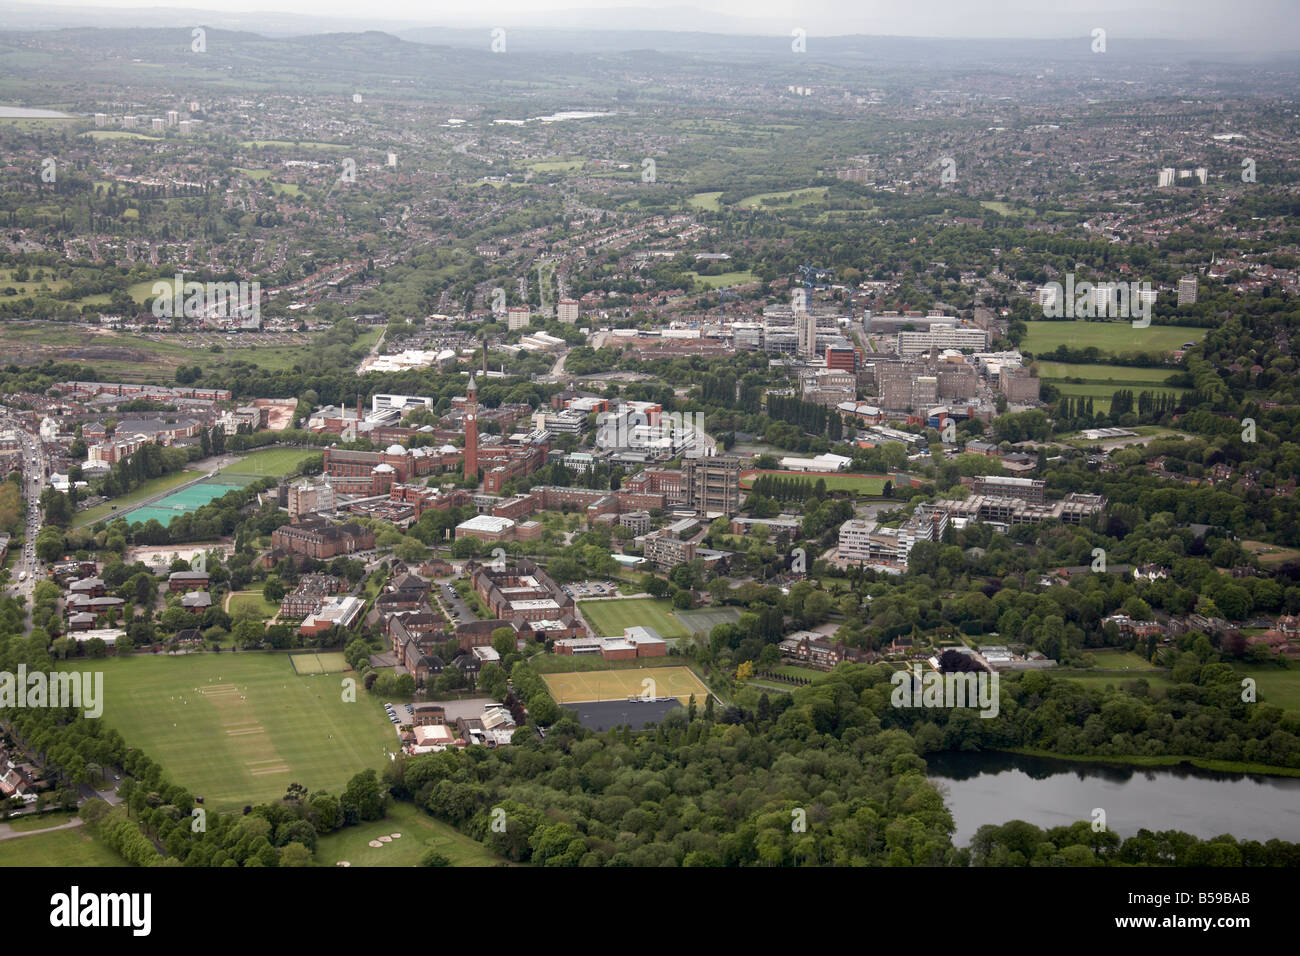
(1262, 25)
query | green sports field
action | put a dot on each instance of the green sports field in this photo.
(268, 462)
(185, 501)
(1121, 376)
(786, 198)
(238, 728)
(860, 484)
(1101, 394)
(724, 280)
(119, 506)
(611, 618)
(1115, 336)
(419, 832)
(72, 847)
(583, 686)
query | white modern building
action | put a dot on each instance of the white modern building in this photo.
(946, 335)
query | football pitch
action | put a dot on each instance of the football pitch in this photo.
(268, 462)
(585, 686)
(238, 728)
(611, 618)
(1115, 337)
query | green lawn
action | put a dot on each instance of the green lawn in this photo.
(40, 821)
(238, 728)
(269, 462)
(418, 830)
(153, 486)
(156, 357)
(245, 600)
(785, 199)
(117, 134)
(807, 673)
(48, 284)
(1278, 687)
(611, 618)
(706, 201)
(75, 847)
(1121, 660)
(1120, 376)
(1114, 336)
(724, 280)
(1274, 686)
(1101, 394)
(556, 165)
(1006, 209)
(1157, 679)
(861, 484)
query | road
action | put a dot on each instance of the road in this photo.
(7, 832)
(26, 566)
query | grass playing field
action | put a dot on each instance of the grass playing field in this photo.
(269, 462)
(611, 618)
(74, 847)
(724, 280)
(583, 686)
(860, 484)
(1121, 376)
(707, 201)
(418, 830)
(786, 198)
(238, 728)
(1114, 336)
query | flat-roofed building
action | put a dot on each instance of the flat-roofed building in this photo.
(341, 610)
(712, 484)
(1030, 490)
(942, 336)
(486, 528)
(308, 496)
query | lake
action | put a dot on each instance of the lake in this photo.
(997, 788)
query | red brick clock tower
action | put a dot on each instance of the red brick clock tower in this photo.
(471, 429)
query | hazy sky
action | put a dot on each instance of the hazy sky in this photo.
(1269, 22)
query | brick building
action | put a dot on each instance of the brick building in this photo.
(321, 539)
